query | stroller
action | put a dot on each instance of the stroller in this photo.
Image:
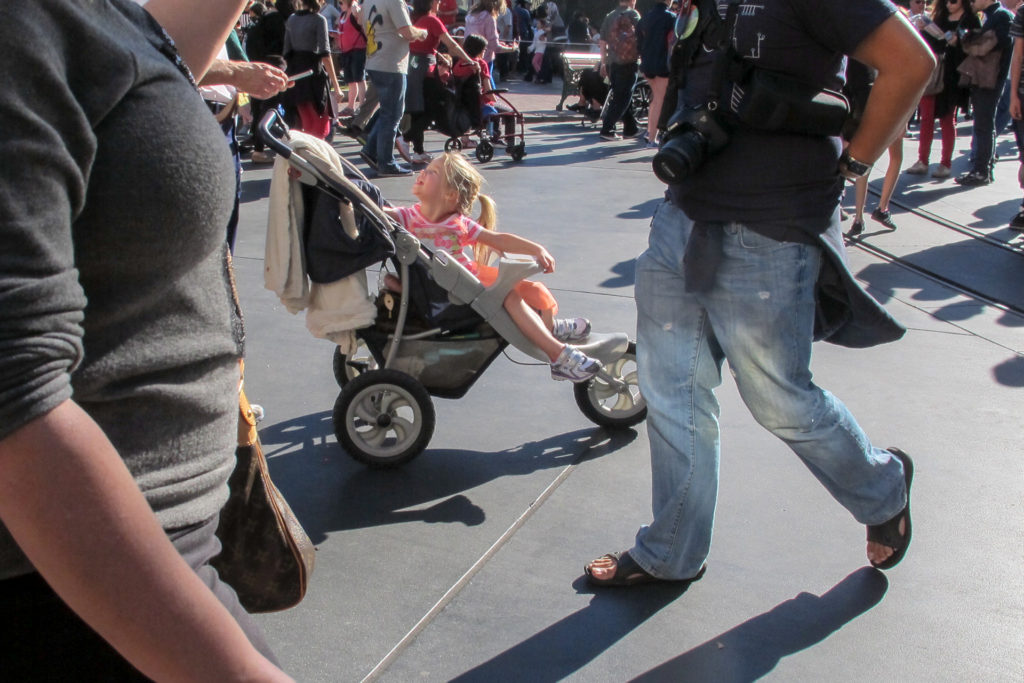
(438, 336)
(457, 113)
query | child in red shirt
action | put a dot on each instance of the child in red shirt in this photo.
(490, 108)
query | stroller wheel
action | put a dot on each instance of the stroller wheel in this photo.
(383, 418)
(484, 151)
(452, 145)
(347, 368)
(517, 152)
(610, 406)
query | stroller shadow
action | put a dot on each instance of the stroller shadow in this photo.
(331, 492)
(752, 649)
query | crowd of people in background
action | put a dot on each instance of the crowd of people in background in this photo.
(977, 44)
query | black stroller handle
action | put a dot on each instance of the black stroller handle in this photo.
(271, 129)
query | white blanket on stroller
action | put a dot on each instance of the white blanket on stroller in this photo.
(334, 310)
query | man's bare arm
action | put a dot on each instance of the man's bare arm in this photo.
(904, 64)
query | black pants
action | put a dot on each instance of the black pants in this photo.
(623, 78)
(984, 101)
(41, 639)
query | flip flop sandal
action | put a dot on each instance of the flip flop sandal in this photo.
(629, 573)
(888, 533)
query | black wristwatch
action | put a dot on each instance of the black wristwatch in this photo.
(852, 169)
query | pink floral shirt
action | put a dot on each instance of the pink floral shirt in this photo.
(452, 235)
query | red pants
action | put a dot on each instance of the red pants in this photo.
(927, 111)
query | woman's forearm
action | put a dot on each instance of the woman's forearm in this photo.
(199, 27)
(75, 511)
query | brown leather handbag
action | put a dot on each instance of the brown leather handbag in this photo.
(267, 556)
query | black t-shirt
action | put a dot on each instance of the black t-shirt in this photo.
(770, 178)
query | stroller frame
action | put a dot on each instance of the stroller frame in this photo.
(383, 416)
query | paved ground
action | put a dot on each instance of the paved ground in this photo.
(466, 564)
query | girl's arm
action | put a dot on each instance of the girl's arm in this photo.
(507, 243)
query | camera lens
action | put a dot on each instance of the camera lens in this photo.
(679, 157)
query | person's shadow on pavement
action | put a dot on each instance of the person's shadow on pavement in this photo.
(752, 649)
(744, 653)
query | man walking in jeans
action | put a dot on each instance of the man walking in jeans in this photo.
(619, 54)
(388, 34)
(734, 270)
(997, 19)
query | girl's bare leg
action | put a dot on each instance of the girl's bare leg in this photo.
(532, 327)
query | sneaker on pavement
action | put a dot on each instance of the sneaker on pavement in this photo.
(393, 171)
(856, 228)
(422, 158)
(1018, 221)
(919, 168)
(611, 136)
(370, 161)
(942, 171)
(629, 135)
(575, 366)
(571, 330)
(972, 179)
(883, 217)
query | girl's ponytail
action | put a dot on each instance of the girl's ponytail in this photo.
(489, 219)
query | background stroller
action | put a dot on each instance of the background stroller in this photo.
(456, 113)
(436, 338)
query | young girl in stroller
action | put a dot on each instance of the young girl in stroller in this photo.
(447, 189)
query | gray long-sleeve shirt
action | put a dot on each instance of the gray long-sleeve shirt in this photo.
(115, 190)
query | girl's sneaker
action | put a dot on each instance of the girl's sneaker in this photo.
(570, 330)
(575, 366)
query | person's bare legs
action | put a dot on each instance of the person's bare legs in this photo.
(658, 86)
(892, 173)
(532, 327)
(860, 198)
(356, 91)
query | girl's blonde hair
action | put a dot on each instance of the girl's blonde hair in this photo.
(461, 177)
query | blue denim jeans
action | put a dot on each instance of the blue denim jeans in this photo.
(759, 314)
(380, 142)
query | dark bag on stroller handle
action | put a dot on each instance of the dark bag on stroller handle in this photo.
(331, 252)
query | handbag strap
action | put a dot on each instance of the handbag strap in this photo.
(247, 434)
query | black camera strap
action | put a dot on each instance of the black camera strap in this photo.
(726, 57)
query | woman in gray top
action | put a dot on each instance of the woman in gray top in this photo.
(119, 347)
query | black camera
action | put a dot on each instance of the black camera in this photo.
(692, 135)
